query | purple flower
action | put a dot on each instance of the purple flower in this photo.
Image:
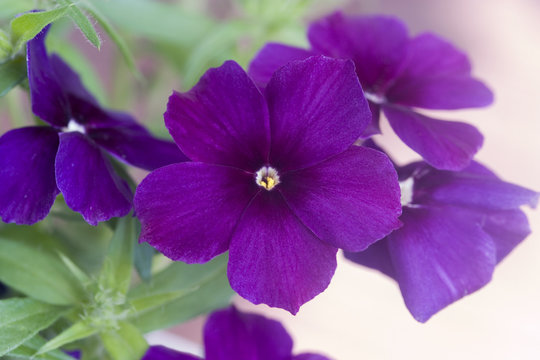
(456, 227)
(232, 335)
(71, 155)
(274, 179)
(398, 75)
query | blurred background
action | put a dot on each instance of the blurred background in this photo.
(361, 315)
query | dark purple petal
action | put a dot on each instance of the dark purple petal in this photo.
(436, 75)
(133, 144)
(188, 211)
(271, 57)
(28, 186)
(350, 200)
(448, 145)
(221, 120)
(376, 257)
(376, 44)
(163, 353)
(373, 128)
(274, 259)
(49, 101)
(317, 109)
(230, 335)
(507, 228)
(309, 356)
(87, 180)
(68, 80)
(440, 255)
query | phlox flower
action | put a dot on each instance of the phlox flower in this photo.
(274, 179)
(71, 155)
(398, 74)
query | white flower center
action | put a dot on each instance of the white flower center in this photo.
(374, 98)
(267, 177)
(74, 126)
(406, 188)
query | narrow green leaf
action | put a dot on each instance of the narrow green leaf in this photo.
(125, 343)
(115, 37)
(12, 72)
(5, 45)
(29, 348)
(37, 273)
(143, 255)
(75, 270)
(116, 272)
(77, 331)
(82, 21)
(22, 318)
(27, 26)
(205, 287)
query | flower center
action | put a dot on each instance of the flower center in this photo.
(374, 98)
(406, 188)
(74, 126)
(267, 177)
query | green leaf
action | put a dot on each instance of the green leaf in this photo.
(22, 318)
(12, 72)
(82, 22)
(116, 272)
(37, 273)
(143, 255)
(77, 331)
(181, 292)
(5, 45)
(29, 348)
(115, 37)
(27, 26)
(125, 343)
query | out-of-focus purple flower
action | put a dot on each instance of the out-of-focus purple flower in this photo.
(232, 335)
(71, 155)
(456, 227)
(274, 179)
(398, 75)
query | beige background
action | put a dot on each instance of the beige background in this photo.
(361, 315)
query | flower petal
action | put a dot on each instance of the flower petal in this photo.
(163, 353)
(270, 58)
(188, 211)
(376, 44)
(69, 80)
(350, 200)
(374, 126)
(436, 75)
(221, 120)
(317, 109)
(274, 259)
(508, 228)
(309, 356)
(133, 144)
(230, 334)
(28, 185)
(440, 255)
(49, 101)
(376, 256)
(448, 145)
(87, 180)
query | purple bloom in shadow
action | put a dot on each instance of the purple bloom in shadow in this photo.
(71, 155)
(232, 335)
(274, 179)
(398, 75)
(456, 227)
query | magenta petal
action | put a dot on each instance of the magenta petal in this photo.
(133, 144)
(163, 353)
(188, 211)
(350, 200)
(232, 335)
(508, 228)
(436, 75)
(376, 44)
(374, 126)
(28, 186)
(221, 120)
(270, 58)
(317, 109)
(440, 255)
(87, 180)
(274, 259)
(448, 145)
(49, 101)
